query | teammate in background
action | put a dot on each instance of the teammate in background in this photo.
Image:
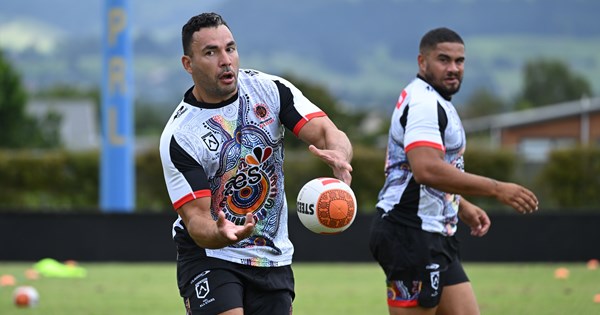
(412, 236)
(222, 156)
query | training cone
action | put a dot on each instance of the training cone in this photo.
(7, 280)
(561, 273)
(32, 274)
(592, 264)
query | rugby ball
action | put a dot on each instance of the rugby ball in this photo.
(326, 205)
(26, 296)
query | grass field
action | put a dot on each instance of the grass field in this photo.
(327, 289)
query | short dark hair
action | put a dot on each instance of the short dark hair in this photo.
(438, 35)
(195, 23)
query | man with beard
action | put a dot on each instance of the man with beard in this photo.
(222, 156)
(412, 236)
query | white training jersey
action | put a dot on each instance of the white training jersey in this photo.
(422, 117)
(233, 153)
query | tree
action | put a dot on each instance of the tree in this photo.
(321, 97)
(18, 129)
(12, 104)
(549, 82)
(571, 178)
(482, 103)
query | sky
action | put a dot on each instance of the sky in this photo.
(27, 23)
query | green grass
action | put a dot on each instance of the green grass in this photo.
(349, 289)
(108, 289)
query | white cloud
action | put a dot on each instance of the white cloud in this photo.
(22, 34)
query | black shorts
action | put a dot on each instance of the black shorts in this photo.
(258, 290)
(417, 264)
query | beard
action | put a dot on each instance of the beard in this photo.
(450, 90)
(438, 85)
(214, 89)
(222, 92)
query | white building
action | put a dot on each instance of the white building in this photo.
(79, 123)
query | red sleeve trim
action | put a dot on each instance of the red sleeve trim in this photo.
(306, 119)
(191, 196)
(430, 144)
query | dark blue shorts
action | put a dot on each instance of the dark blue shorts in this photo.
(258, 290)
(417, 264)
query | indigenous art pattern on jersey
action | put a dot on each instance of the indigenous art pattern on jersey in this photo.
(233, 153)
(247, 174)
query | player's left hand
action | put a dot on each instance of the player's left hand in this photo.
(234, 233)
(337, 161)
(475, 218)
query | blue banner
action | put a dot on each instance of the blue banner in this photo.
(117, 173)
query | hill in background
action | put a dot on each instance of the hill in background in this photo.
(363, 51)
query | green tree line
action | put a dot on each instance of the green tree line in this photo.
(61, 181)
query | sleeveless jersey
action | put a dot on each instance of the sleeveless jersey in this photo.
(233, 153)
(422, 117)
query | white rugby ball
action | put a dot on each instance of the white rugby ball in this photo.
(26, 296)
(326, 205)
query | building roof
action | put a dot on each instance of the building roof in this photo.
(534, 115)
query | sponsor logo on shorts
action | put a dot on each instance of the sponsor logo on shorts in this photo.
(434, 277)
(202, 288)
(204, 273)
(204, 302)
(432, 267)
(200, 275)
(435, 281)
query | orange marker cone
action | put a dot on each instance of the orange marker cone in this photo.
(592, 264)
(561, 273)
(32, 274)
(7, 280)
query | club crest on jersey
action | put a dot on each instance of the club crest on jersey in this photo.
(210, 141)
(262, 112)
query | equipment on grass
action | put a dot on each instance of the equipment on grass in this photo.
(52, 268)
(326, 205)
(26, 296)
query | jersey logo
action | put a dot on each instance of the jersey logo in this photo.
(210, 141)
(180, 112)
(250, 72)
(262, 112)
